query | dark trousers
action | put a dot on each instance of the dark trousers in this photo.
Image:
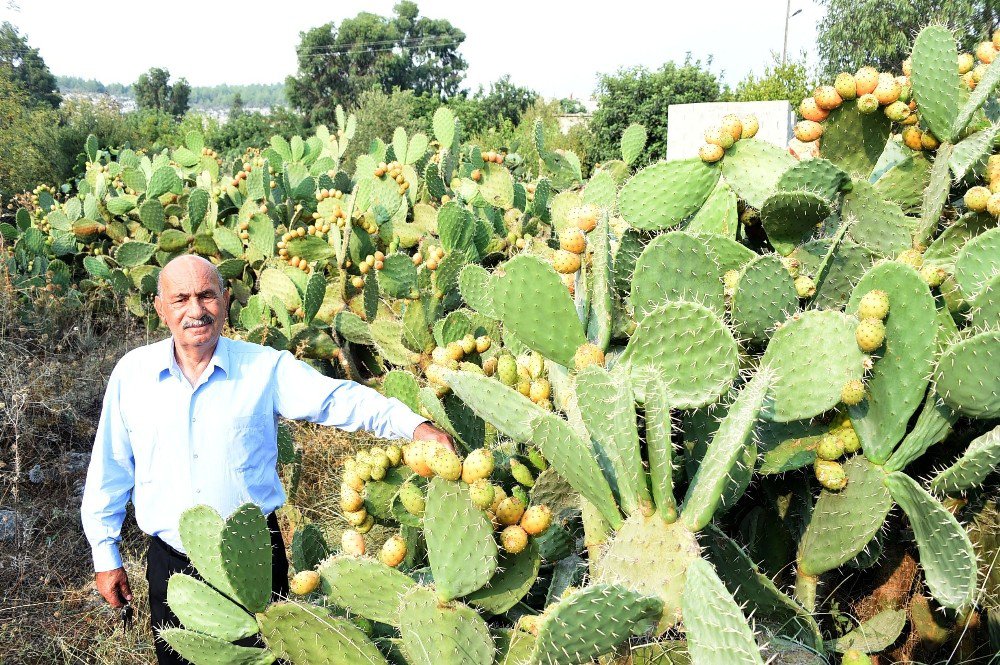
(162, 561)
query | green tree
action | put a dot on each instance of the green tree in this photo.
(255, 129)
(855, 33)
(378, 115)
(639, 95)
(236, 108)
(25, 67)
(569, 105)
(337, 64)
(28, 141)
(789, 81)
(153, 92)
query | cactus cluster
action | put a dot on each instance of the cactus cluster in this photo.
(684, 395)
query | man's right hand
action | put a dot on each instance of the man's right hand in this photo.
(113, 585)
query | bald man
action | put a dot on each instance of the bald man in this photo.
(193, 420)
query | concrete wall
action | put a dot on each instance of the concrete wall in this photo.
(686, 124)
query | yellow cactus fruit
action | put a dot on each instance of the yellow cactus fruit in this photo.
(566, 262)
(304, 582)
(732, 124)
(810, 110)
(510, 510)
(808, 130)
(845, 85)
(911, 138)
(720, 137)
(588, 354)
(478, 465)
(751, 125)
(977, 198)
(350, 499)
(513, 539)
(573, 240)
(888, 89)
(866, 80)
(393, 551)
(352, 543)
(710, 154)
(827, 97)
(536, 519)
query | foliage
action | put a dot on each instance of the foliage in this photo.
(245, 130)
(27, 140)
(254, 95)
(237, 108)
(379, 114)
(154, 92)
(878, 33)
(23, 65)
(789, 81)
(569, 105)
(639, 95)
(337, 64)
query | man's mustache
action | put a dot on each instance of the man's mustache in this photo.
(205, 320)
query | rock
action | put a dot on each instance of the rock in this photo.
(8, 525)
(36, 475)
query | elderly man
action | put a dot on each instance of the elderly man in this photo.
(193, 420)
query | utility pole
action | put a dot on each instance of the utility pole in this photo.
(788, 15)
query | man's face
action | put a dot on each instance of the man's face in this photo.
(191, 303)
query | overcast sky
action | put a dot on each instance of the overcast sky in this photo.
(557, 48)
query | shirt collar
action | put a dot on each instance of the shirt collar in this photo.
(168, 362)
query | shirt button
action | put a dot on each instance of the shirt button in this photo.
(197, 491)
(193, 419)
(196, 455)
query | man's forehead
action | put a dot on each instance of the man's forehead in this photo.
(189, 276)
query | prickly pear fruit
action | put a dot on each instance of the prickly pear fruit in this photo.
(830, 475)
(888, 89)
(966, 62)
(520, 494)
(874, 305)
(898, 112)
(481, 493)
(849, 437)
(367, 525)
(513, 539)
(867, 103)
(303, 582)
(720, 137)
(977, 198)
(870, 334)
(378, 472)
(507, 369)
(537, 460)
(416, 455)
(588, 354)
(855, 657)
(540, 389)
(356, 517)
(830, 448)
(394, 453)
(810, 110)
(573, 240)
(912, 138)
(805, 287)
(535, 365)
(585, 216)
(498, 496)
(412, 499)
(866, 80)
(393, 551)
(536, 519)
(478, 465)
(353, 480)
(510, 510)
(710, 153)
(929, 141)
(792, 265)
(827, 97)
(751, 125)
(911, 257)
(350, 499)
(846, 86)
(352, 543)
(934, 276)
(853, 392)
(364, 471)
(521, 473)
(732, 124)
(808, 130)
(446, 464)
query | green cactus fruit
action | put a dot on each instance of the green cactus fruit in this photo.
(507, 369)
(481, 493)
(805, 286)
(567, 636)
(870, 335)
(849, 438)
(830, 475)
(853, 392)
(412, 499)
(446, 464)
(477, 465)
(874, 305)
(521, 473)
(855, 657)
(831, 447)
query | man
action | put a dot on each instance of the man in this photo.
(193, 420)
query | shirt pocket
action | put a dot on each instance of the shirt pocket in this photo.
(144, 437)
(245, 442)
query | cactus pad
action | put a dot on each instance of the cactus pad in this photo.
(719, 214)
(506, 409)
(935, 86)
(460, 545)
(567, 635)
(844, 522)
(854, 141)
(364, 586)
(608, 409)
(978, 262)
(848, 263)
(677, 266)
(539, 311)
(516, 573)
(717, 631)
(477, 287)
(442, 634)
(310, 635)
(690, 347)
(965, 376)
(791, 217)
(650, 557)
(202, 608)
(200, 648)
(980, 459)
(877, 224)
(666, 193)
(899, 379)
(874, 635)
(764, 297)
(819, 176)
(946, 554)
(814, 354)
(659, 445)
(754, 168)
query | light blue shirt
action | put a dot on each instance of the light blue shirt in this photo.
(168, 446)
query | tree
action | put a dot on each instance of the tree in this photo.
(855, 33)
(789, 81)
(639, 95)
(570, 105)
(24, 67)
(153, 92)
(337, 64)
(28, 142)
(236, 108)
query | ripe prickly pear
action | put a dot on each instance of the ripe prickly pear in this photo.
(446, 464)
(827, 97)
(911, 138)
(870, 334)
(874, 305)
(977, 198)
(912, 258)
(751, 125)
(303, 582)
(514, 539)
(393, 551)
(573, 240)
(898, 112)
(888, 89)
(498, 496)
(830, 475)
(810, 110)
(536, 519)
(356, 517)
(588, 354)
(853, 392)
(866, 80)
(566, 262)
(416, 456)
(481, 493)
(855, 657)
(710, 153)
(845, 85)
(412, 499)
(478, 465)
(352, 543)
(510, 510)
(720, 137)
(394, 453)
(732, 124)
(350, 499)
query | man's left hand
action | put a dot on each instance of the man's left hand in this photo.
(427, 432)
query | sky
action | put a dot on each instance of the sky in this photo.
(556, 48)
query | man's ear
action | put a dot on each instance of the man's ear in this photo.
(158, 305)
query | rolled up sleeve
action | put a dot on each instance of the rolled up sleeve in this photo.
(110, 480)
(302, 393)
